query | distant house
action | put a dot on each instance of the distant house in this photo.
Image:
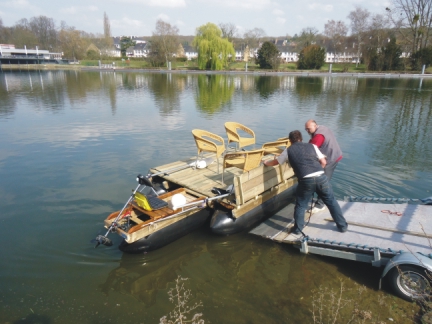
(116, 41)
(341, 58)
(140, 50)
(190, 52)
(114, 51)
(130, 51)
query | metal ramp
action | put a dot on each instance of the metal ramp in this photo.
(371, 231)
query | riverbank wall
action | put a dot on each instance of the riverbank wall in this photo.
(41, 67)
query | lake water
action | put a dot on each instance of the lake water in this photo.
(71, 144)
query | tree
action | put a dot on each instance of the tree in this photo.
(229, 31)
(386, 58)
(164, 42)
(253, 37)
(214, 51)
(125, 43)
(392, 56)
(44, 29)
(359, 26)
(106, 43)
(107, 26)
(2, 33)
(21, 35)
(71, 43)
(336, 31)
(413, 21)
(307, 37)
(379, 31)
(268, 56)
(311, 57)
(421, 57)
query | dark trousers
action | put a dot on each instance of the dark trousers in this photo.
(304, 192)
(328, 171)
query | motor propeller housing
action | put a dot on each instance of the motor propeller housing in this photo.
(143, 180)
(100, 239)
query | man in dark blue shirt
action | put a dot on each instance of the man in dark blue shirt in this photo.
(308, 164)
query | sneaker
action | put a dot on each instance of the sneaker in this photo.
(343, 229)
(317, 209)
(295, 231)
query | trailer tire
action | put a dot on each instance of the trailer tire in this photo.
(410, 282)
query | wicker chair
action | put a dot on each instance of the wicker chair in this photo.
(204, 143)
(276, 147)
(245, 160)
(233, 136)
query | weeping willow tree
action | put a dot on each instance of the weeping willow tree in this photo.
(214, 52)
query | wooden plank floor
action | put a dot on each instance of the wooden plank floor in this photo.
(368, 225)
(199, 180)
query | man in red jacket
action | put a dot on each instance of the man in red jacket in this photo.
(324, 139)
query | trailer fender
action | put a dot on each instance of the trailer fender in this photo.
(415, 259)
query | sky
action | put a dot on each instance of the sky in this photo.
(138, 17)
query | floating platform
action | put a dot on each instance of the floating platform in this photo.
(392, 228)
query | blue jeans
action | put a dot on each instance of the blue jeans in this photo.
(328, 171)
(305, 190)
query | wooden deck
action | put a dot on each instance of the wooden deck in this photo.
(200, 181)
(368, 227)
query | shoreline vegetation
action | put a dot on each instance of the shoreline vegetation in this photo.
(237, 67)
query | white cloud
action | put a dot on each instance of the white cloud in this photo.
(164, 17)
(75, 10)
(126, 22)
(280, 20)
(18, 4)
(245, 4)
(278, 12)
(321, 7)
(180, 23)
(70, 10)
(158, 3)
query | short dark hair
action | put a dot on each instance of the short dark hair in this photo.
(295, 136)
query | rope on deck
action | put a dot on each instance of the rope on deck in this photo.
(400, 200)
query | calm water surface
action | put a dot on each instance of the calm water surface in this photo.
(71, 144)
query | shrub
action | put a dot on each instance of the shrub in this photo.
(93, 55)
(311, 57)
(421, 57)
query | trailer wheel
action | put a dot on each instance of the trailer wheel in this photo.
(410, 282)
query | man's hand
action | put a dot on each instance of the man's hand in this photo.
(271, 162)
(323, 162)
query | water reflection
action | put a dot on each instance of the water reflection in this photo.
(213, 93)
(267, 85)
(309, 86)
(144, 277)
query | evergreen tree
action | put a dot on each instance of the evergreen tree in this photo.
(268, 56)
(392, 56)
(125, 43)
